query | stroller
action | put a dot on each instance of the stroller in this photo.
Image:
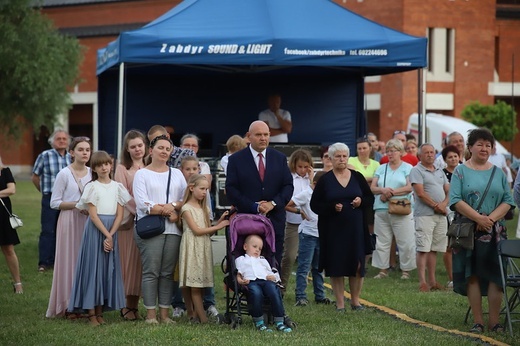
(242, 225)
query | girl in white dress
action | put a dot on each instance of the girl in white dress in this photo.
(66, 192)
(196, 257)
(98, 284)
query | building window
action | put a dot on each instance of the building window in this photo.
(441, 54)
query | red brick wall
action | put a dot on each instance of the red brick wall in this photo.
(474, 22)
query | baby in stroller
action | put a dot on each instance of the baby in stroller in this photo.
(255, 272)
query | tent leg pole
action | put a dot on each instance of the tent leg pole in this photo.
(120, 109)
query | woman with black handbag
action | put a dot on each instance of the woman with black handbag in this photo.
(8, 236)
(158, 190)
(476, 272)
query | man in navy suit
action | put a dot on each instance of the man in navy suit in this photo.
(246, 189)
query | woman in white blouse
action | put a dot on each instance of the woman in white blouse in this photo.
(159, 254)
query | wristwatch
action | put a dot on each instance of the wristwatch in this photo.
(273, 203)
(174, 205)
(298, 211)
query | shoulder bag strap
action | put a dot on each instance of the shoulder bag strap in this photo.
(384, 181)
(7, 210)
(168, 186)
(487, 188)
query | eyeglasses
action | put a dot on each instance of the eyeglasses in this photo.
(391, 151)
(399, 132)
(326, 156)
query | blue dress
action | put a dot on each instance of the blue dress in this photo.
(97, 278)
(344, 237)
(468, 185)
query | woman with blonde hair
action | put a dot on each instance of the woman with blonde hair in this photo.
(8, 236)
(391, 180)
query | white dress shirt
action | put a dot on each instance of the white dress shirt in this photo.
(253, 268)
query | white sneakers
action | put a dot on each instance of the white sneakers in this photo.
(178, 312)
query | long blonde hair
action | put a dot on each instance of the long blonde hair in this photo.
(194, 181)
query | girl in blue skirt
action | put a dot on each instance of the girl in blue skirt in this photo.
(98, 284)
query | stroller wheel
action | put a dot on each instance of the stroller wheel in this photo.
(289, 322)
(227, 318)
(236, 321)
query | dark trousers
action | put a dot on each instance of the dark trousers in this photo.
(260, 289)
(47, 243)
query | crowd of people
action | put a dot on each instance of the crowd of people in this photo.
(392, 197)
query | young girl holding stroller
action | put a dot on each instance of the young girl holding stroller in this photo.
(196, 257)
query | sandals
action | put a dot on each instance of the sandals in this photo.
(18, 288)
(498, 328)
(93, 320)
(405, 276)
(357, 307)
(381, 275)
(100, 319)
(477, 328)
(135, 312)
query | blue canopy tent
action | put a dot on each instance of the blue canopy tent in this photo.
(206, 67)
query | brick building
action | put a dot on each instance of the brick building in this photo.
(471, 46)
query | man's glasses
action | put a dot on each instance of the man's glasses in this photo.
(399, 132)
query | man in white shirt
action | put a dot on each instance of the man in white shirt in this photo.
(278, 120)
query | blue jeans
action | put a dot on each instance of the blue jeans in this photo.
(177, 302)
(308, 259)
(47, 242)
(258, 290)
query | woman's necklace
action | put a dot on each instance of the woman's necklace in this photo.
(477, 168)
(364, 162)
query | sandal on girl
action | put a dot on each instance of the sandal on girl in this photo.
(128, 311)
(18, 288)
(93, 320)
(477, 328)
(381, 275)
(100, 319)
(498, 328)
(405, 276)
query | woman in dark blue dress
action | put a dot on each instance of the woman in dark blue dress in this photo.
(340, 199)
(8, 236)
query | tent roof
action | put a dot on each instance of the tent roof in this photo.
(266, 33)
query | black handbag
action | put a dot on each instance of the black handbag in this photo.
(153, 225)
(461, 231)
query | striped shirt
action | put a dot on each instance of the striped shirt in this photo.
(47, 166)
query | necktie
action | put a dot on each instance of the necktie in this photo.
(261, 167)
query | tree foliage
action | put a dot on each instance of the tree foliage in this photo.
(37, 65)
(500, 118)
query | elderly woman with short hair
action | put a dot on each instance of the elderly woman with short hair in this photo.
(341, 198)
(391, 180)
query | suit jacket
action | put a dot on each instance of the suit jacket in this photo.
(244, 187)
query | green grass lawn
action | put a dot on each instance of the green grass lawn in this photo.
(23, 322)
